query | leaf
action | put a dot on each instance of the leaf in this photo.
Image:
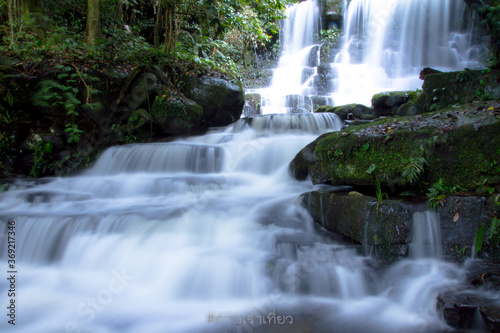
(370, 169)
(456, 217)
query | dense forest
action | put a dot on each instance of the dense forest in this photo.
(206, 34)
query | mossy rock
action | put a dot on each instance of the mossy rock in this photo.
(176, 115)
(387, 103)
(222, 102)
(416, 105)
(384, 226)
(462, 152)
(359, 111)
(324, 108)
(442, 90)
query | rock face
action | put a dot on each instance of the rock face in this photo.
(385, 227)
(441, 90)
(464, 309)
(459, 147)
(459, 219)
(222, 101)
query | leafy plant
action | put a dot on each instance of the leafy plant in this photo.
(378, 188)
(414, 169)
(73, 133)
(493, 232)
(438, 191)
(41, 149)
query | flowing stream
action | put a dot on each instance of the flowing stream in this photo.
(197, 234)
(160, 237)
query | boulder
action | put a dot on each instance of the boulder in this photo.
(441, 90)
(383, 226)
(388, 103)
(459, 147)
(461, 309)
(222, 102)
(176, 116)
(359, 111)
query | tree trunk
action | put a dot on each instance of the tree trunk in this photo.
(11, 14)
(158, 24)
(92, 28)
(169, 26)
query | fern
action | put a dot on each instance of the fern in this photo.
(414, 169)
(479, 237)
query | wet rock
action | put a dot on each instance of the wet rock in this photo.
(321, 101)
(384, 226)
(464, 309)
(491, 316)
(484, 274)
(314, 56)
(388, 103)
(298, 102)
(459, 218)
(253, 104)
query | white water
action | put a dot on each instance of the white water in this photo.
(426, 234)
(297, 63)
(151, 240)
(387, 43)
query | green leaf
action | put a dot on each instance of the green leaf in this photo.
(370, 169)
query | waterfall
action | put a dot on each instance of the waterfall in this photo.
(182, 236)
(387, 43)
(426, 236)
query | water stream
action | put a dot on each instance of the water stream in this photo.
(159, 237)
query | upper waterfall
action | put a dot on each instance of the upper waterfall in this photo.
(387, 43)
(297, 63)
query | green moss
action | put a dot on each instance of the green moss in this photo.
(324, 108)
(464, 157)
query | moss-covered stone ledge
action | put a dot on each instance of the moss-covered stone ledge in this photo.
(459, 146)
(382, 229)
(386, 229)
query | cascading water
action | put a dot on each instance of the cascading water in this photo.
(176, 237)
(387, 43)
(290, 85)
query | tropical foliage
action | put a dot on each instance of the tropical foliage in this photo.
(214, 33)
